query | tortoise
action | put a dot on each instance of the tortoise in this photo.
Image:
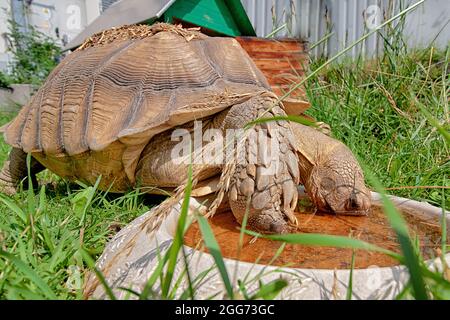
(113, 110)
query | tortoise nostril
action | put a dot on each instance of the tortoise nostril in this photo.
(353, 202)
(358, 203)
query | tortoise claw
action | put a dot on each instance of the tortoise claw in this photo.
(292, 218)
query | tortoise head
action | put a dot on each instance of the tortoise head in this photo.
(335, 183)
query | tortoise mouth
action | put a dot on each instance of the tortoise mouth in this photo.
(365, 212)
(359, 212)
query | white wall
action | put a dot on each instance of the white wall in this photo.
(69, 17)
(4, 16)
(92, 10)
(430, 21)
(345, 21)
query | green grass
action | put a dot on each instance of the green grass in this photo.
(4, 148)
(375, 109)
(43, 236)
(50, 239)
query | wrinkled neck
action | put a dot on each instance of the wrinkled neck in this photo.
(313, 148)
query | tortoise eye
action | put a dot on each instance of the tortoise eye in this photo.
(327, 183)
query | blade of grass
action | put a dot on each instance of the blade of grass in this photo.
(241, 238)
(399, 225)
(214, 250)
(292, 118)
(46, 235)
(91, 264)
(317, 239)
(443, 226)
(188, 275)
(274, 32)
(130, 292)
(90, 196)
(196, 282)
(243, 289)
(434, 122)
(445, 267)
(350, 278)
(270, 290)
(42, 201)
(404, 292)
(14, 207)
(59, 253)
(260, 273)
(31, 201)
(30, 274)
(342, 52)
(178, 240)
(324, 39)
(176, 285)
(154, 277)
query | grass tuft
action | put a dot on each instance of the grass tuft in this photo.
(393, 114)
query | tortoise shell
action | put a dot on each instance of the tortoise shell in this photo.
(99, 108)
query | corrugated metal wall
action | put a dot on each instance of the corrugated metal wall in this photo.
(105, 4)
(342, 22)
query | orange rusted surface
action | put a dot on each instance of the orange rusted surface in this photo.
(373, 229)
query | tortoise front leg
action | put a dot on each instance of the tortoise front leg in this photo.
(15, 169)
(266, 174)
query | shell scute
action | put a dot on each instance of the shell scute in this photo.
(107, 102)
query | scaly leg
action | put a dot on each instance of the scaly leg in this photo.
(15, 169)
(265, 178)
